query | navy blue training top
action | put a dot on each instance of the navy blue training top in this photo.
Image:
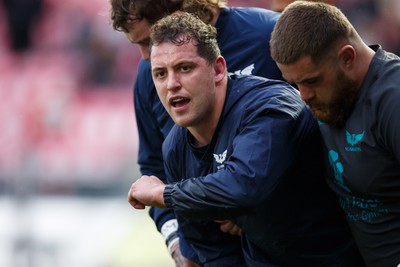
(243, 37)
(263, 169)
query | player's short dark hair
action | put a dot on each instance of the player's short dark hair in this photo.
(309, 29)
(124, 12)
(182, 28)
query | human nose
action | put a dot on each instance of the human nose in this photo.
(172, 81)
(305, 93)
(144, 52)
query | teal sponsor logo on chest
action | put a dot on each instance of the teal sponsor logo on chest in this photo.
(354, 139)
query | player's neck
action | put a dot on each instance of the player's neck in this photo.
(203, 133)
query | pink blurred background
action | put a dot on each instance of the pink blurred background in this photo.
(67, 122)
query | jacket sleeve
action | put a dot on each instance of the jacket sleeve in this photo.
(262, 152)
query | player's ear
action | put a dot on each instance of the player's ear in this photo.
(346, 55)
(220, 68)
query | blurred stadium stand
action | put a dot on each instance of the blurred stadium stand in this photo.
(66, 103)
(66, 100)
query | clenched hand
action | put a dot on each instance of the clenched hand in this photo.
(147, 191)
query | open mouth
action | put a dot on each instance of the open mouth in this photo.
(178, 102)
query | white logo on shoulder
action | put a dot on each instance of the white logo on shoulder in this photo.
(220, 158)
(246, 71)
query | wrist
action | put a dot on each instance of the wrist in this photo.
(160, 196)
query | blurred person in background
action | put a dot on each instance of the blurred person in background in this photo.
(21, 18)
(244, 149)
(353, 90)
(243, 37)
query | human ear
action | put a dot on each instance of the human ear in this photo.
(220, 68)
(346, 56)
